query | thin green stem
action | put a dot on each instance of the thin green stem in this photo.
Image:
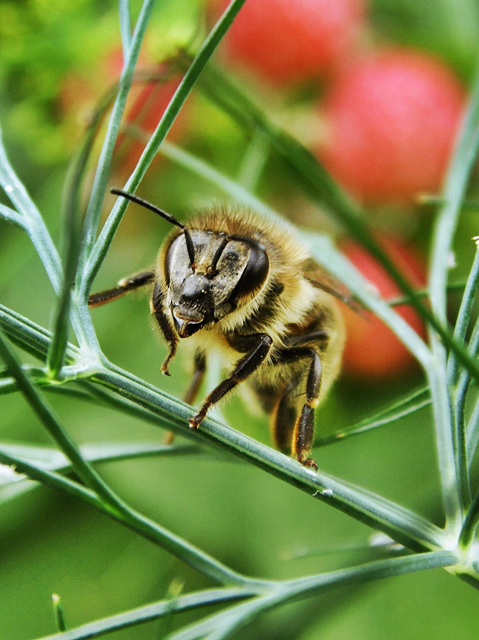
(393, 413)
(470, 524)
(451, 451)
(29, 335)
(33, 222)
(125, 25)
(472, 433)
(155, 611)
(71, 240)
(459, 383)
(58, 612)
(253, 162)
(424, 293)
(104, 163)
(10, 215)
(238, 616)
(399, 523)
(138, 523)
(85, 471)
(464, 316)
(184, 89)
(461, 393)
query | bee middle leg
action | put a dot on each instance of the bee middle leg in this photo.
(197, 378)
(283, 416)
(301, 432)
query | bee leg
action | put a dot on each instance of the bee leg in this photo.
(303, 430)
(195, 384)
(256, 347)
(283, 417)
(166, 329)
(197, 379)
(124, 286)
(303, 433)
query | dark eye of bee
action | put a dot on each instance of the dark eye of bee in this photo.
(254, 274)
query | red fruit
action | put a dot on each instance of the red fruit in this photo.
(288, 41)
(391, 121)
(372, 350)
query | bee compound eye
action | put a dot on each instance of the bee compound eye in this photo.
(254, 274)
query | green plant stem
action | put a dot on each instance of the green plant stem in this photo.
(185, 87)
(451, 451)
(253, 162)
(147, 613)
(58, 613)
(278, 593)
(402, 525)
(395, 412)
(464, 316)
(472, 433)
(33, 222)
(470, 524)
(459, 384)
(29, 335)
(125, 25)
(71, 239)
(10, 215)
(220, 624)
(104, 163)
(138, 523)
(85, 471)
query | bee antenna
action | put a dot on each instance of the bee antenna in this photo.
(166, 216)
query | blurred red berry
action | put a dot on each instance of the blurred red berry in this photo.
(290, 41)
(372, 351)
(391, 120)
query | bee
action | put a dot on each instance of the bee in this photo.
(237, 283)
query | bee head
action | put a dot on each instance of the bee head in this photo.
(208, 273)
(208, 282)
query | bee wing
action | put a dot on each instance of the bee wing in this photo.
(321, 279)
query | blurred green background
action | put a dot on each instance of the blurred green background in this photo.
(53, 70)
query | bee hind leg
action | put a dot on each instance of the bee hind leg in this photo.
(302, 433)
(283, 417)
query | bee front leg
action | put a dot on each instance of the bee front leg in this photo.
(124, 286)
(256, 347)
(157, 308)
(195, 384)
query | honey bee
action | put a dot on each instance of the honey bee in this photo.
(240, 284)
